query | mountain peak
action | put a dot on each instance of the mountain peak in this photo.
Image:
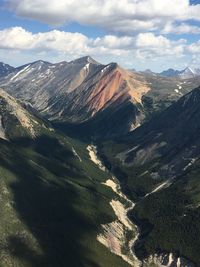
(189, 72)
(188, 69)
(85, 60)
(40, 62)
(170, 72)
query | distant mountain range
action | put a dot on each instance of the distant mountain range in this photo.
(187, 73)
(95, 96)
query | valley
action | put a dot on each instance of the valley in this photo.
(129, 199)
(120, 235)
(100, 133)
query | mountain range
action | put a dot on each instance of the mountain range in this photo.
(82, 145)
(76, 91)
(187, 73)
(86, 93)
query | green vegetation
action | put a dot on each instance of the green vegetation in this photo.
(174, 214)
(169, 218)
(52, 205)
(135, 180)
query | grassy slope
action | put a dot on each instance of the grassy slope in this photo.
(52, 205)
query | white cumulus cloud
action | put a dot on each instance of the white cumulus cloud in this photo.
(66, 45)
(125, 16)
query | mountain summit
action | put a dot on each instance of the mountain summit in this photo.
(85, 60)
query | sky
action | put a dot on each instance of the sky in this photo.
(137, 34)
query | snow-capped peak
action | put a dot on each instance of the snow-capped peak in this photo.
(189, 73)
(188, 69)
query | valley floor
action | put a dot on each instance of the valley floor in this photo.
(120, 235)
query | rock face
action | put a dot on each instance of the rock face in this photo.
(111, 86)
(169, 260)
(15, 120)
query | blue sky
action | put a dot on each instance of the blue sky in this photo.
(136, 34)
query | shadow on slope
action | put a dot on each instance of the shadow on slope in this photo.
(46, 200)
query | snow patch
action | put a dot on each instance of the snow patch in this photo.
(192, 161)
(104, 69)
(87, 67)
(76, 154)
(19, 72)
(160, 187)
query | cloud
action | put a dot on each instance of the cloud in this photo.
(19, 39)
(142, 50)
(115, 42)
(124, 16)
(144, 45)
(194, 48)
(152, 46)
(182, 28)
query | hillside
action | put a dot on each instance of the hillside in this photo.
(158, 165)
(15, 120)
(5, 69)
(53, 200)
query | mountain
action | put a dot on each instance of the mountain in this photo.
(79, 90)
(5, 69)
(54, 198)
(60, 205)
(158, 165)
(166, 136)
(148, 71)
(187, 73)
(84, 96)
(170, 73)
